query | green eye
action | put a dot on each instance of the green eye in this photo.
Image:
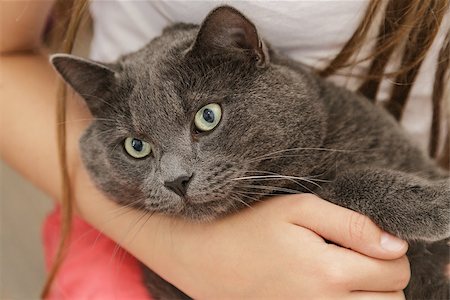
(137, 148)
(208, 117)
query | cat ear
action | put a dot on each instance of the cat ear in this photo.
(225, 28)
(92, 80)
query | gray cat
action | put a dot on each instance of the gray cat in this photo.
(203, 120)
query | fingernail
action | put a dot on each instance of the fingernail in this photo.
(391, 243)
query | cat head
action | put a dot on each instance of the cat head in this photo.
(194, 123)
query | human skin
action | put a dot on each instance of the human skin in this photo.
(278, 241)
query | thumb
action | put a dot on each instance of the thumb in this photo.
(345, 227)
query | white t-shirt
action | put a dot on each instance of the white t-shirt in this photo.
(312, 32)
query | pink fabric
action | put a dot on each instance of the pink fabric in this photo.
(95, 268)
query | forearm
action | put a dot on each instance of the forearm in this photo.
(28, 120)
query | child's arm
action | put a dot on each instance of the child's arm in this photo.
(28, 119)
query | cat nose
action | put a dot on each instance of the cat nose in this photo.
(179, 186)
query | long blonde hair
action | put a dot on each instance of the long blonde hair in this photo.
(407, 28)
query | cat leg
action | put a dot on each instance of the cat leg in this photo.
(405, 205)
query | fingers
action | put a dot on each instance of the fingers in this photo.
(377, 296)
(344, 227)
(357, 272)
(379, 266)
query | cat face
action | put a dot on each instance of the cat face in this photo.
(189, 124)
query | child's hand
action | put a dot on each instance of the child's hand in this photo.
(267, 252)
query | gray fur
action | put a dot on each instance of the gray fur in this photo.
(278, 118)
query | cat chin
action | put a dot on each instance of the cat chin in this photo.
(201, 211)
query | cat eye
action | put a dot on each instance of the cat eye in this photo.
(137, 148)
(208, 117)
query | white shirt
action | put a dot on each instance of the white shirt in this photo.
(312, 32)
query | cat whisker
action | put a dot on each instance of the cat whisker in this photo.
(241, 201)
(275, 157)
(311, 177)
(273, 173)
(296, 191)
(103, 132)
(100, 230)
(99, 99)
(86, 119)
(106, 131)
(117, 246)
(148, 214)
(280, 178)
(115, 147)
(248, 195)
(128, 207)
(142, 214)
(252, 193)
(269, 155)
(275, 177)
(272, 188)
(289, 178)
